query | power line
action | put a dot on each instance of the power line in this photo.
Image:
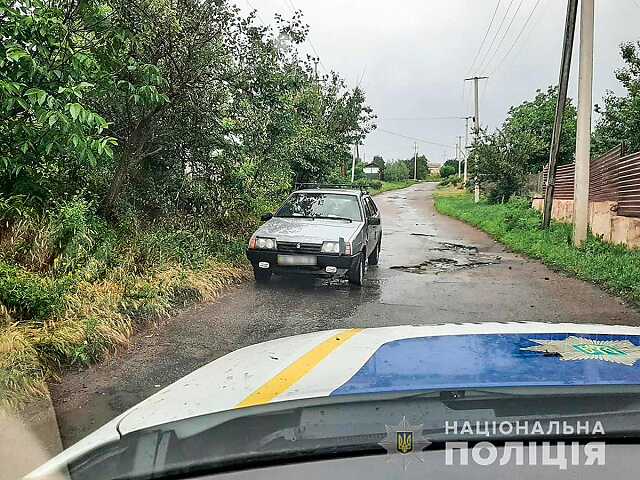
(485, 37)
(503, 36)
(497, 67)
(495, 35)
(422, 118)
(421, 140)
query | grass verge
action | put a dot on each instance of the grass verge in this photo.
(516, 225)
(74, 291)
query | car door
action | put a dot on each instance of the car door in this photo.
(376, 213)
(372, 230)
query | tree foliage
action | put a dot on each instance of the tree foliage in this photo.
(521, 145)
(619, 121)
(164, 107)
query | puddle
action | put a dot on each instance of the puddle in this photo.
(441, 265)
(422, 234)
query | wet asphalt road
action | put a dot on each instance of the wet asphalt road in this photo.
(426, 275)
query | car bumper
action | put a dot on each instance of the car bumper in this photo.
(342, 263)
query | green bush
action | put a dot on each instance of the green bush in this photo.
(375, 184)
(28, 296)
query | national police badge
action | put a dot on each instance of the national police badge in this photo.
(404, 439)
(578, 348)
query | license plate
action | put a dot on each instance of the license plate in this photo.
(305, 260)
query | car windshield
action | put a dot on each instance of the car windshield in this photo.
(323, 205)
(311, 429)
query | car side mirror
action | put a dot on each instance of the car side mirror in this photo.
(374, 220)
(266, 216)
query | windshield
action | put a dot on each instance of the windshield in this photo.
(323, 205)
(310, 429)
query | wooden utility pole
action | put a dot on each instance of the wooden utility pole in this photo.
(583, 132)
(565, 67)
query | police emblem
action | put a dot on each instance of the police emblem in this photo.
(578, 348)
(404, 439)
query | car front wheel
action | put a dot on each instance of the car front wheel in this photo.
(356, 273)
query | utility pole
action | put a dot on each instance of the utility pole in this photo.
(476, 130)
(353, 162)
(459, 155)
(583, 133)
(415, 161)
(565, 67)
(466, 147)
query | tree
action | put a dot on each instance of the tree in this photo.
(530, 125)
(161, 108)
(500, 164)
(619, 120)
(397, 171)
(52, 60)
(449, 168)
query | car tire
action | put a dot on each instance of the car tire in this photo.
(262, 275)
(356, 273)
(375, 255)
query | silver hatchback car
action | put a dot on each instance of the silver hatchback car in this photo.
(323, 230)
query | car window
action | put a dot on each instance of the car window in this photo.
(321, 205)
(371, 205)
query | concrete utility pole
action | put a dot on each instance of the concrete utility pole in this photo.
(476, 129)
(583, 134)
(415, 160)
(565, 67)
(353, 163)
(466, 147)
(459, 155)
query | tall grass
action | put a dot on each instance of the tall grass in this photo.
(73, 289)
(515, 224)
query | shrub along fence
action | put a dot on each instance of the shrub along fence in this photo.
(614, 196)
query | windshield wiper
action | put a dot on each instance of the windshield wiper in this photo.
(333, 218)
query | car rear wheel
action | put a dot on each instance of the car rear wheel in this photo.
(375, 255)
(262, 275)
(356, 274)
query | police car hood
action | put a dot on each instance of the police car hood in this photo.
(389, 359)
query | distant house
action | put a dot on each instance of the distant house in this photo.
(372, 171)
(434, 169)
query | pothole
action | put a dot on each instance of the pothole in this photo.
(456, 247)
(441, 265)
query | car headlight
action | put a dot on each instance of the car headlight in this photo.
(266, 243)
(331, 247)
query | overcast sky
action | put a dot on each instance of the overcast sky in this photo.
(411, 57)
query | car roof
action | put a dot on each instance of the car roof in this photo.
(337, 191)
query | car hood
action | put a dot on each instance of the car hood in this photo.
(308, 230)
(389, 359)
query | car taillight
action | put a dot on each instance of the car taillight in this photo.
(347, 248)
(252, 243)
